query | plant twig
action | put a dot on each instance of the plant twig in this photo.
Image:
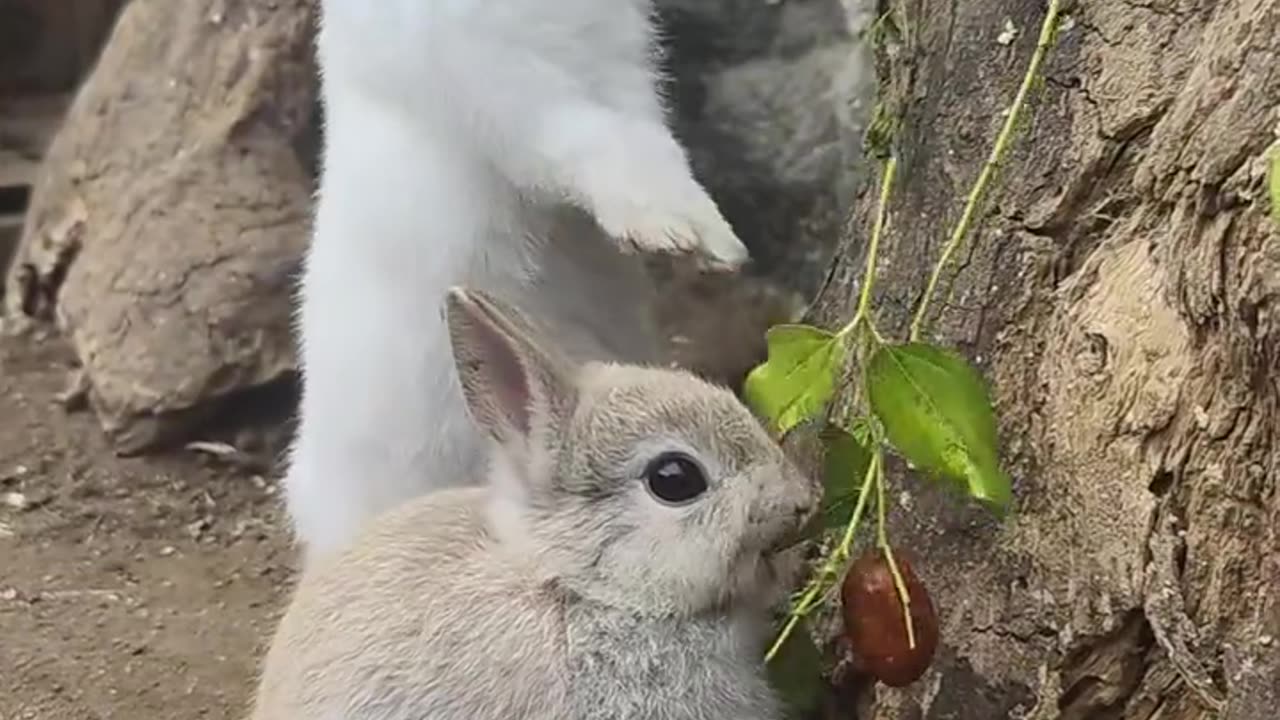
(875, 470)
(873, 250)
(882, 539)
(998, 151)
(831, 567)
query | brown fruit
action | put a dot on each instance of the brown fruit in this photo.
(874, 622)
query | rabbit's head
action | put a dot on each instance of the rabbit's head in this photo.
(642, 488)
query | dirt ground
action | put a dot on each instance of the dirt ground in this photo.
(129, 587)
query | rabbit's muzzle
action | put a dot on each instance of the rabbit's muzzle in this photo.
(804, 524)
(791, 515)
(806, 530)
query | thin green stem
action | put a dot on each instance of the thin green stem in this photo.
(998, 151)
(873, 249)
(882, 529)
(850, 530)
(832, 565)
(875, 334)
(882, 539)
(792, 620)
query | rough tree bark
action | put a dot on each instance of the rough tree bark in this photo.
(1121, 292)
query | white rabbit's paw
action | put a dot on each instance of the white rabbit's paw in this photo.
(696, 227)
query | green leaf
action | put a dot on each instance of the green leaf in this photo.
(936, 411)
(797, 380)
(844, 469)
(1273, 182)
(796, 673)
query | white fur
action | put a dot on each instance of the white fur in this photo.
(472, 142)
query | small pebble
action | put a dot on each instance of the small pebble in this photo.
(1008, 35)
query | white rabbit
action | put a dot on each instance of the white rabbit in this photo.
(636, 527)
(513, 145)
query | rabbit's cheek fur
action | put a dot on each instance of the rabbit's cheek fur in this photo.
(705, 564)
(692, 579)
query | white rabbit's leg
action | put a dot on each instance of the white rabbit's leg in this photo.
(610, 153)
(633, 176)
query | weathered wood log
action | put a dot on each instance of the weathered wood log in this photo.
(1122, 290)
(172, 208)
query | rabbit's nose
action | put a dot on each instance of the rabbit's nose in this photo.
(812, 494)
(806, 523)
(809, 520)
(806, 506)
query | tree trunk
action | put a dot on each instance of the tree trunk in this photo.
(1120, 291)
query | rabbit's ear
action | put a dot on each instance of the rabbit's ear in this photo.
(512, 386)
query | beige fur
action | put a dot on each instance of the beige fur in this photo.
(564, 589)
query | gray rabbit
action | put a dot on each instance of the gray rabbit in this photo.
(636, 526)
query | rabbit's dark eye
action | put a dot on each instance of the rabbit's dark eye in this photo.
(675, 478)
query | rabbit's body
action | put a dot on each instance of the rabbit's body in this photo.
(511, 145)
(636, 527)
(422, 548)
(666, 668)
(502, 642)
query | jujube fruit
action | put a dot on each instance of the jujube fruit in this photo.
(874, 622)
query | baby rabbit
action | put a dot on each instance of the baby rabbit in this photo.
(513, 145)
(619, 563)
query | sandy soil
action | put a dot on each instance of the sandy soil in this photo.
(129, 587)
